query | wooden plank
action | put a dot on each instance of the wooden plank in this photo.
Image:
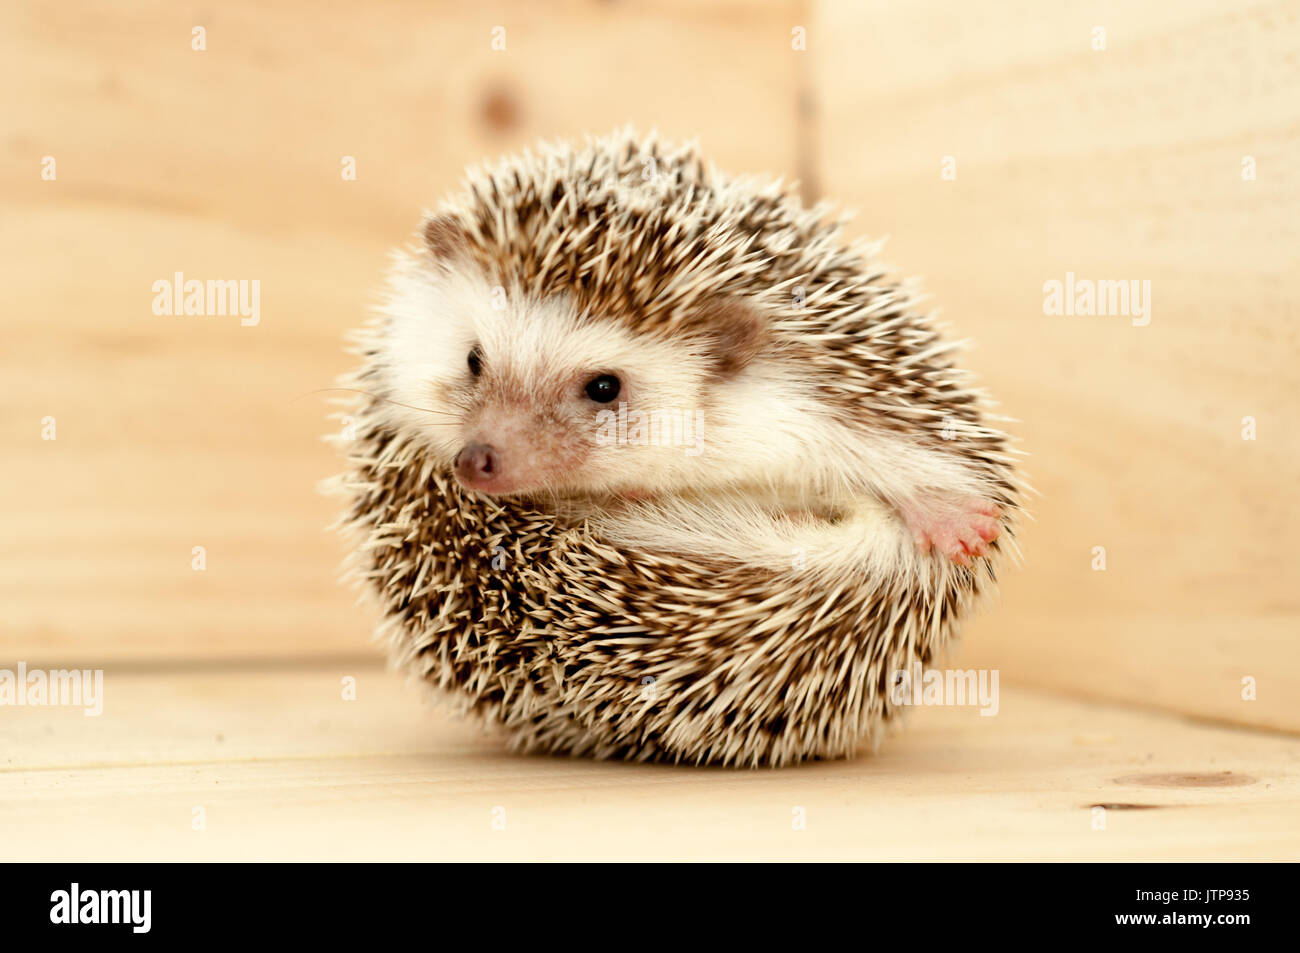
(176, 432)
(1123, 164)
(284, 769)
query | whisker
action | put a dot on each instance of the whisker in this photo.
(397, 403)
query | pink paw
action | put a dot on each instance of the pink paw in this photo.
(959, 528)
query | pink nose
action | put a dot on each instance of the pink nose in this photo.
(477, 465)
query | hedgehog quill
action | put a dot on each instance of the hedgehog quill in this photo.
(648, 462)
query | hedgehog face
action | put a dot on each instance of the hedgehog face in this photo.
(540, 396)
(523, 396)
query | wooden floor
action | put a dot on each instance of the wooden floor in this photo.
(273, 764)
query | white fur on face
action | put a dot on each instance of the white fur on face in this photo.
(424, 344)
(537, 357)
(767, 426)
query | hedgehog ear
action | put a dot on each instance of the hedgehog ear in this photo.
(445, 238)
(735, 333)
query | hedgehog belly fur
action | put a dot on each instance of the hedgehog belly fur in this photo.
(575, 645)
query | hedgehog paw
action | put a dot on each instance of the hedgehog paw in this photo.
(958, 529)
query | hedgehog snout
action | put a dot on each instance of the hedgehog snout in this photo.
(477, 466)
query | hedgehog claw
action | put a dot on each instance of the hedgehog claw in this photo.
(959, 529)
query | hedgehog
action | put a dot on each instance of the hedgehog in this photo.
(648, 462)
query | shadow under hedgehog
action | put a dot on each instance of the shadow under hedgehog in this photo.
(647, 462)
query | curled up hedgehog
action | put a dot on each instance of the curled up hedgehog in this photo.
(647, 462)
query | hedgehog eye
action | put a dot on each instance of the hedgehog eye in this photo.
(603, 389)
(475, 361)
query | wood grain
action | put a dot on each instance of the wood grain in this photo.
(1117, 164)
(283, 768)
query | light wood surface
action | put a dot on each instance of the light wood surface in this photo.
(1117, 164)
(284, 768)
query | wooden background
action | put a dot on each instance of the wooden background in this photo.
(175, 432)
